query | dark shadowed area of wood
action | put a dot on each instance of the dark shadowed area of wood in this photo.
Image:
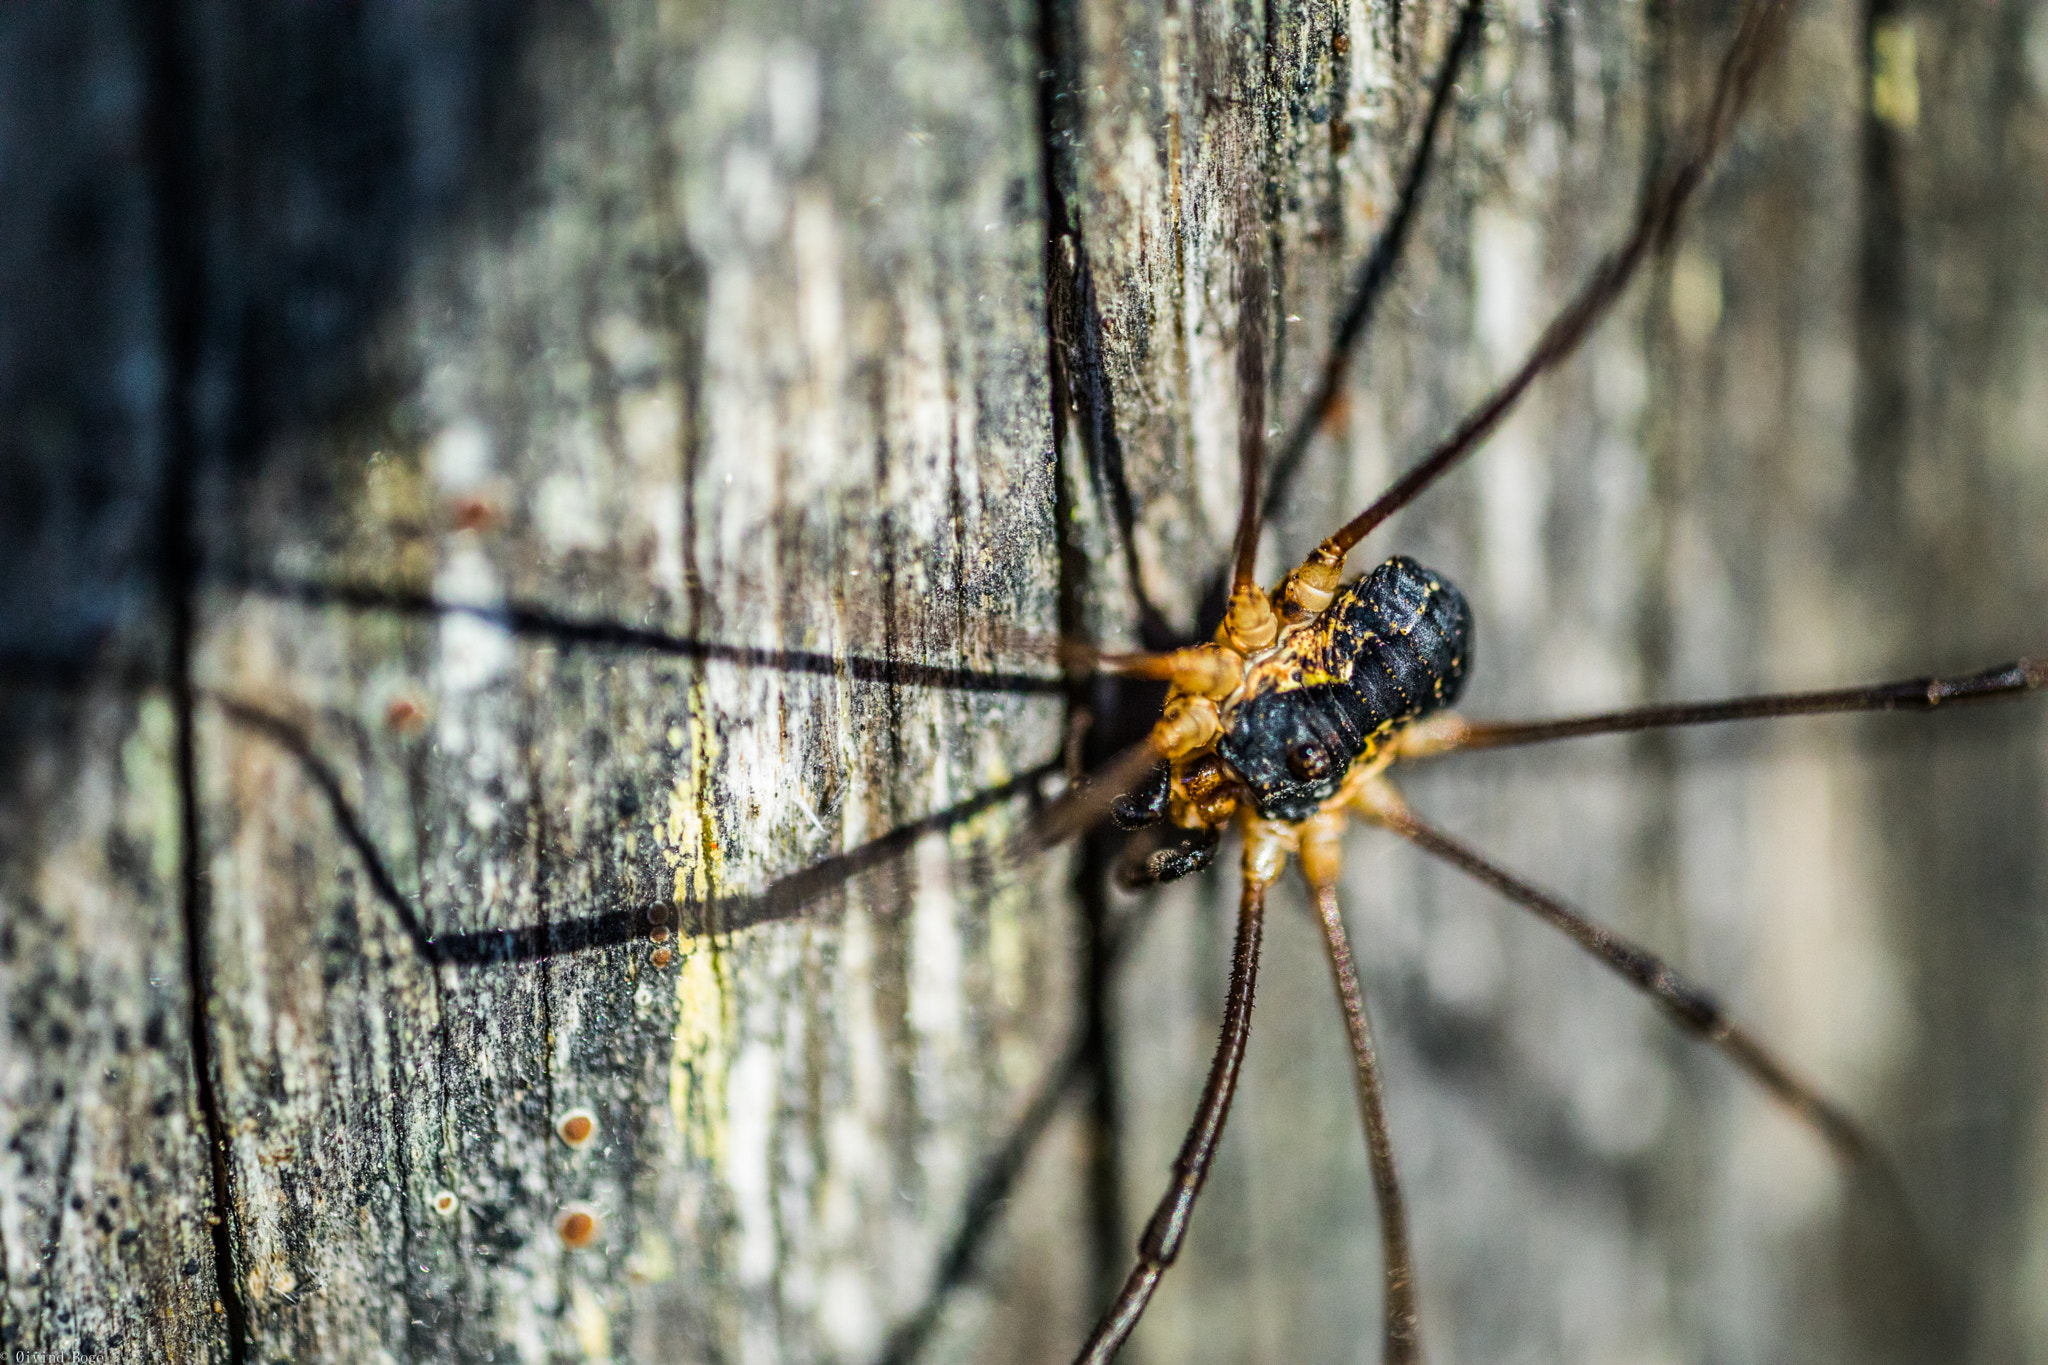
(521, 530)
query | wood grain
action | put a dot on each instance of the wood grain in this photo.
(827, 329)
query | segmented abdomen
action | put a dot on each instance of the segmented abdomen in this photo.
(1409, 636)
(1390, 649)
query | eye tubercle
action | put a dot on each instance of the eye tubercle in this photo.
(1308, 761)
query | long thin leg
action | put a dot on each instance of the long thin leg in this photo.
(1912, 694)
(1200, 669)
(1378, 270)
(1169, 1223)
(1403, 1338)
(1655, 222)
(1691, 1007)
(989, 1197)
(1251, 411)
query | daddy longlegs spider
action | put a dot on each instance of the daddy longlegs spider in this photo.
(1286, 703)
(1648, 243)
(1899, 1311)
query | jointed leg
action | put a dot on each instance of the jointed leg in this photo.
(1656, 220)
(1248, 622)
(1403, 1338)
(1161, 1241)
(1691, 1007)
(1450, 734)
(1378, 270)
(1081, 806)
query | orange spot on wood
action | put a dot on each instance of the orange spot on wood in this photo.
(577, 1127)
(473, 513)
(405, 716)
(577, 1228)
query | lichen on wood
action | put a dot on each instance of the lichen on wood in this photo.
(522, 353)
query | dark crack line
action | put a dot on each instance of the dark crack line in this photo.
(182, 279)
(1105, 1236)
(987, 1199)
(46, 1255)
(1075, 358)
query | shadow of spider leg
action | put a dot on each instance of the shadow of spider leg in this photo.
(784, 898)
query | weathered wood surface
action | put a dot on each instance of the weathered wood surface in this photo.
(734, 334)
(733, 323)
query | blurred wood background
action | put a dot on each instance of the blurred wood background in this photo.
(876, 333)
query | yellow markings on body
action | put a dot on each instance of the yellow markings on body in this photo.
(1311, 647)
(1365, 770)
(700, 1058)
(1315, 653)
(1371, 752)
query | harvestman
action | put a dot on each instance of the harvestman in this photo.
(1286, 724)
(1268, 728)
